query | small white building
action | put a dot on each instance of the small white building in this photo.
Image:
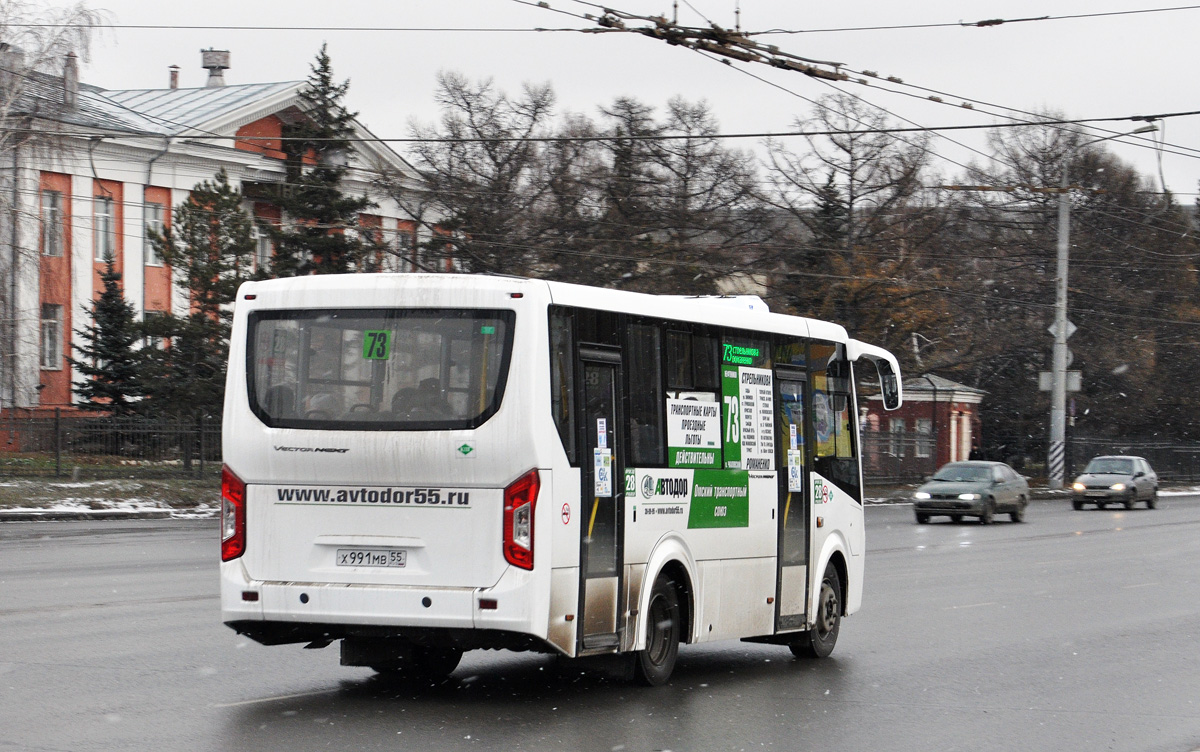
(103, 165)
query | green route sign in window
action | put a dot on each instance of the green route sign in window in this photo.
(377, 344)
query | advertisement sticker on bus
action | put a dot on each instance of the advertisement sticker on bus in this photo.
(602, 459)
(708, 498)
(693, 433)
(795, 469)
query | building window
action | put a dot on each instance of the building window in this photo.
(404, 252)
(154, 226)
(51, 337)
(104, 223)
(896, 429)
(152, 326)
(52, 225)
(924, 427)
(263, 250)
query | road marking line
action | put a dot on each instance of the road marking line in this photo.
(973, 605)
(274, 699)
(1144, 584)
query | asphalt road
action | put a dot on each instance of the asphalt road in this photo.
(1075, 630)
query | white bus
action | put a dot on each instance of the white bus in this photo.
(419, 465)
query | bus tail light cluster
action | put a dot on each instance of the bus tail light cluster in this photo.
(233, 515)
(520, 500)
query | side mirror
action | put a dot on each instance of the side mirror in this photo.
(890, 388)
(1139, 474)
(889, 385)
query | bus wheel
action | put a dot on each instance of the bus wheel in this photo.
(653, 666)
(818, 641)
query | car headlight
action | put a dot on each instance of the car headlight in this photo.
(969, 497)
(921, 495)
(1118, 486)
(1078, 486)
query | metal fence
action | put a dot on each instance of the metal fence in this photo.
(107, 447)
(897, 457)
(1172, 461)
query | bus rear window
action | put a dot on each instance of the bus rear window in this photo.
(381, 370)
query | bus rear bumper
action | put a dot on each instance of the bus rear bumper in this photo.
(503, 607)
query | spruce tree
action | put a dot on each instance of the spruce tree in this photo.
(108, 359)
(317, 215)
(210, 246)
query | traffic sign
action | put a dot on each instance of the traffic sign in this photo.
(1053, 329)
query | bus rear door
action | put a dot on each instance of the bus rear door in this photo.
(602, 502)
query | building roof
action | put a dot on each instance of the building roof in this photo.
(156, 112)
(175, 111)
(930, 382)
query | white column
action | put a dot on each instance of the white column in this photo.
(179, 301)
(953, 437)
(28, 309)
(81, 261)
(134, 279)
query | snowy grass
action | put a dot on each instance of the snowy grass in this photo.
(178, 498)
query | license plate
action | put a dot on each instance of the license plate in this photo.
(371, 557)
(1097, 493)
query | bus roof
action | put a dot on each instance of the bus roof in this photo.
(744, 312)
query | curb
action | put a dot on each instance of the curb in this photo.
(66, 515)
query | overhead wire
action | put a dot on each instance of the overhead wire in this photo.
(978, 24)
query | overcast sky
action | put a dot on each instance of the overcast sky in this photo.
(1112, 66)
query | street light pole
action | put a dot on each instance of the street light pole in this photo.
(1058, 388)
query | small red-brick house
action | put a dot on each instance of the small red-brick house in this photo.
(939, 421)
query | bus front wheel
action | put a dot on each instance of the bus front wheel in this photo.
(653, 666)
(819, 640)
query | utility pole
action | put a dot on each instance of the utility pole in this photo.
(1058, 388)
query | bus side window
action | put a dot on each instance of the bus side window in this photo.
(562, 378)
(705, 364)
(647, 445)
(834, 456)
(679, 361)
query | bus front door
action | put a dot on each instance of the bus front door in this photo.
(603, 492)
(793, 516)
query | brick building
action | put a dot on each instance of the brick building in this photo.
(104, 165)
(939, 421)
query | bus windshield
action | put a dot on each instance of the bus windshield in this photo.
(393, 369)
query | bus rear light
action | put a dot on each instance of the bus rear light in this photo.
(520, 502)
(233, 515)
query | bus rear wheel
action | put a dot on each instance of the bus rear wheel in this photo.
(664, 627)
(819, 640)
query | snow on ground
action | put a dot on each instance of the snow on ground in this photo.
(115, 508)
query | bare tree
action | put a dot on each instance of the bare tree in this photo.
(866, 243)
(483, 174)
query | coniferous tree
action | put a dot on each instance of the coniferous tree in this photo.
(108, 359)
(210, 245)
(318, 215)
